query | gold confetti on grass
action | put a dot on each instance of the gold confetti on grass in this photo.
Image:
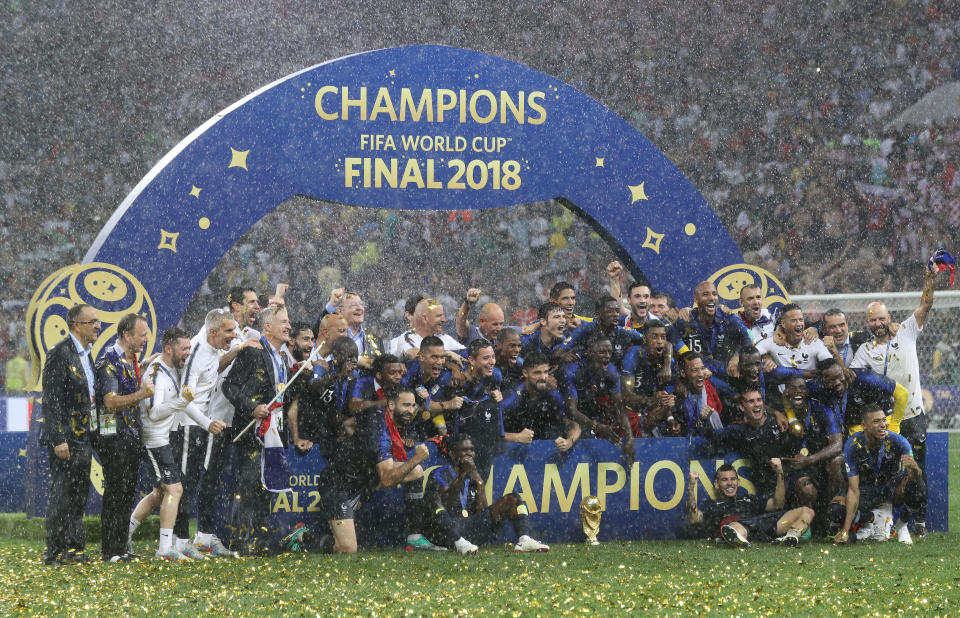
(662, 578)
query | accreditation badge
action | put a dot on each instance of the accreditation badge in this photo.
(94, 424)
(108, 424)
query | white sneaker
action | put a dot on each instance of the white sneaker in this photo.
(188, 550)
(171, 554)
(903, 532)
(867, 531)
(525, 543)
(882, 522)
(215, 547)
(465, 547)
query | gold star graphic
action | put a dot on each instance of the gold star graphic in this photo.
(195, 191)
(168, 240)
(238, 158)
(392, 72)
(599, 162)
(652, 241)
(637, 193)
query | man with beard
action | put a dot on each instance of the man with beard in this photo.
(754, 315)
(607, 325)
(321, 422)
(121, 388)
(591, 390)
(880, 469)
(695, 403)
(709, 331)
(507, 349)
(428, 319)
(894, 354)
(300, 348)
(847, 343)
(736, 518)
(643, 377)
(427, 377)
(369, 457)
(795, 352)
(255, 379)
(162, 412)
(537, 407)
(202, 377)
(848, 398)
(489, 321)
(461, 517)
(372, 391)
(203, 456)
(815, 442)
(758, 438)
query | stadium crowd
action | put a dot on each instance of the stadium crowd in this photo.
(831, 420)
(778, 113)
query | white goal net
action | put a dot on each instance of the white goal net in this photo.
(938, 348)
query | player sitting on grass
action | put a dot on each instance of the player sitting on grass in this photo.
(735, 518)
(461, 517)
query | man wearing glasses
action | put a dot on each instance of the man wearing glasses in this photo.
(69, 418)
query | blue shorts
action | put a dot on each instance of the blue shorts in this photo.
(161, 467)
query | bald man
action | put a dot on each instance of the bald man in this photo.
(709, 331)
(332, 325)
(428, 319)
(893, 352)
(489, 320)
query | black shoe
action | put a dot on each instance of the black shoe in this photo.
(117, 558)
(75, 557)
(52, 559)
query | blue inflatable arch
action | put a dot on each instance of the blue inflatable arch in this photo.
(422, 128)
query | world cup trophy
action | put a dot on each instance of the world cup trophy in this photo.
(590, 512)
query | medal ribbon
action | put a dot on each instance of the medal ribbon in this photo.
(464, 494)
(176, 384)
(876, 471)
(278, 366)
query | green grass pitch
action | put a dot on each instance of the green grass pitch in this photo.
(648, 578)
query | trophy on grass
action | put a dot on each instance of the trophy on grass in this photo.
(590, 512)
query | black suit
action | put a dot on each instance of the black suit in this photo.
(249, 384)
(66, 411)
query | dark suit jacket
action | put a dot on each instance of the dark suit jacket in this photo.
(66, 398)
(249, 384)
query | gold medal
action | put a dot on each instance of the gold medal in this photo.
(804, 452)
(280, 387)
(465, 513)
(426, 415)
(187, 393)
